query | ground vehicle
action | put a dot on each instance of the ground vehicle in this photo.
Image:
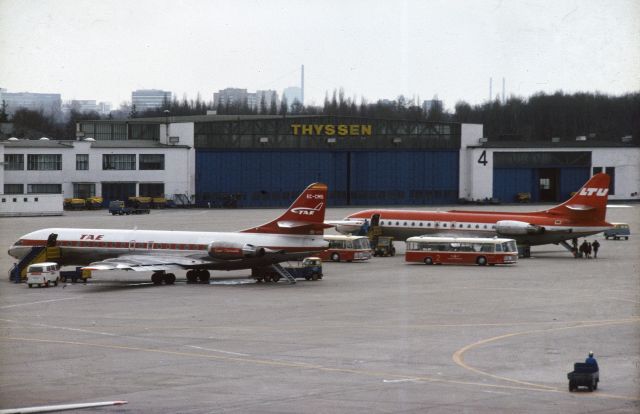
(309, 269)
(346, 248)
(584, 375)
(384, 246)
(43, 274)
(117, 207)
(75, 275)
(618, 231)
(458, 250)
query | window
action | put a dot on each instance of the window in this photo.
(119, 162)
(611, 172)
(82, 161)
(14, 189)
(44, 162)
(151, 189)
(84, 190)
(545, 183)
(597, 170)
(14, 162)
(151, 162)
(44, 188)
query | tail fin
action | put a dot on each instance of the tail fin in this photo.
(304, 216)
(589, 203)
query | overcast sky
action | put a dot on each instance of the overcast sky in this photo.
(87, 49)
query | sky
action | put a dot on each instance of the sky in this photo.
(103, 50)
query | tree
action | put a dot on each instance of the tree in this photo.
(134, 112)
(284, 106)
(3, 112)
(273, 106)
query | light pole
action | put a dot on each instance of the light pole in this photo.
(166, 124)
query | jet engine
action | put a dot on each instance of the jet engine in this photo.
(225, 250)
(514, 227)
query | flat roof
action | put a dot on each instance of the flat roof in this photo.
(36, 143)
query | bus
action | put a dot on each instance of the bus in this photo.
(459, 250)
(346, 248)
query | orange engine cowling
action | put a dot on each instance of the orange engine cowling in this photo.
(226, 250)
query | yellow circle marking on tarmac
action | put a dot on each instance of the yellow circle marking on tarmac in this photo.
(458, 356)
(302, 365)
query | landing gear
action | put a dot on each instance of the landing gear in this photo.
(203, 275)
(161, 277)
(198, 275)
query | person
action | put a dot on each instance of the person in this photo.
(588, 250)
(583, 249)
(364, 229)
(591, 360)
(595, 246)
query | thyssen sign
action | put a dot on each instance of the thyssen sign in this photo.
(332, 129)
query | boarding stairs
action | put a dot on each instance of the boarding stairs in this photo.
(37, 254)
(284, 273)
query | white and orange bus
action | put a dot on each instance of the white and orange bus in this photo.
(346, 248)
(459, 250)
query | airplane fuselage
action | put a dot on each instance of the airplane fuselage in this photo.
(402, 224)
(82, 246)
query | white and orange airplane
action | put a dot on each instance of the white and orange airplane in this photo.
(295, 234)
(582, 215)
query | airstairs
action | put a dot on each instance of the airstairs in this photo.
(37, 254)
(284, 273)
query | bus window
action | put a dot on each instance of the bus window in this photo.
(498, 247)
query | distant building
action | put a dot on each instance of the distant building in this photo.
(292, 93)
(49, 103)
(145, 99)
(427, 105)
(104, 108)
(237, 96)
(230, 96)
(82, 105)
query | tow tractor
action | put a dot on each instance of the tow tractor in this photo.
(309, 269)
(117, 207)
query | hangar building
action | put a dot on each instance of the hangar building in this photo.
(260, 161)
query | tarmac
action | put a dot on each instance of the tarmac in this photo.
(381, 336)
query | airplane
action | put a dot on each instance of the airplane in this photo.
(296, 234)
(582, 215)
(61, 407)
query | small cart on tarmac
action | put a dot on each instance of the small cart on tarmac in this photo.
(584, 375)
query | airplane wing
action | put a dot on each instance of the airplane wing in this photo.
(148, 263)
(156, 263)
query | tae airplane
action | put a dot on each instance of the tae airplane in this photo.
(295, 234)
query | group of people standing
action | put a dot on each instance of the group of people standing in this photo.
(585, 249)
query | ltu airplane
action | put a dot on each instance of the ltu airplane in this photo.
(582, 215)
(295, 234)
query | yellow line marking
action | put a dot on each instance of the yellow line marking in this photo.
(458, 356)
(36, 303)
(303, 365)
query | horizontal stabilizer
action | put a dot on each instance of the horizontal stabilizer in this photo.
(579, 207)
(291, 224)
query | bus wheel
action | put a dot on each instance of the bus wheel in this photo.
(428, 261)
(335, 257)
(481, 260)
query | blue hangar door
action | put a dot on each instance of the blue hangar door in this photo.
(267, 178)
(403, 177)
(276, 178)
(547, 176)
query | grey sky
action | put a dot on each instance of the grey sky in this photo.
(377, 49)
